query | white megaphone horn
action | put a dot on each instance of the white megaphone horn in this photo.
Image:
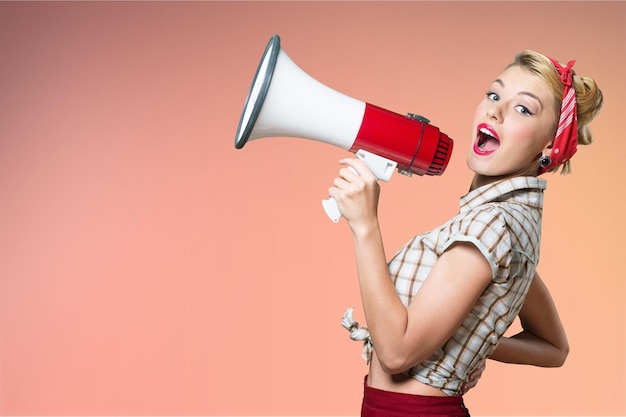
(284, 101)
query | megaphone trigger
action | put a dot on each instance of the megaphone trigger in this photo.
(381, 167)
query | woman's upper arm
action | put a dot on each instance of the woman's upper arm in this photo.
(445, 299)
(540, 317)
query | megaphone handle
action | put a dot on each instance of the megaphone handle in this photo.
(332, 209)
(380, 166)
(330, 206)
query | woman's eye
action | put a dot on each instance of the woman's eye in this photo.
(523, 110)
(492, 96)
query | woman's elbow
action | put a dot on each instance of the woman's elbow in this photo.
(559, 356)
(563, 354)
(392, 369)
(395, 363)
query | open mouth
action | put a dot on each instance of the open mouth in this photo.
(487, 140)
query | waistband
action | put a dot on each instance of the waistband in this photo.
(378, 402)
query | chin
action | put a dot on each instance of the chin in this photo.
(486, 172)
(489, 167)
(479, 165)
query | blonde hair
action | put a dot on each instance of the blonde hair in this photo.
(588, 96)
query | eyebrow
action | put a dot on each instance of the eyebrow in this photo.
(526, 93)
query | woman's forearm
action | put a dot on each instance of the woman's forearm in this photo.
(543, 341)
(527, 349)
(385, 314)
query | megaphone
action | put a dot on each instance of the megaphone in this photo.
(284, 101)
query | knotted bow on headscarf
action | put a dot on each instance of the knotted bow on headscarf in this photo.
(359, 334)
(566, 139)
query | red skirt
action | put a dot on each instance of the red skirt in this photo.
(379, 403)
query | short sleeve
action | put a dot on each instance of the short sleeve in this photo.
(486, 228)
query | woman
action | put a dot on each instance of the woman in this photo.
(440, 307)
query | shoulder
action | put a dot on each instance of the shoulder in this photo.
(486, 227)
(487, 223)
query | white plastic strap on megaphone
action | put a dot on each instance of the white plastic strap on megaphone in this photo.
(381, 167)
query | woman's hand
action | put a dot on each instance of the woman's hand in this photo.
(356, 191)
(474, 376)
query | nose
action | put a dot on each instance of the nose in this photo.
(494, 111)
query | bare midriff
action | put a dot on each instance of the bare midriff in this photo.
(379, 379)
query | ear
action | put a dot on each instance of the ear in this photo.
(548, 148)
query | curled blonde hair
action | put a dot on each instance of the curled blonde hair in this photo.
(588, 96)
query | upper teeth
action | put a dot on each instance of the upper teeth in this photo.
(486, 132)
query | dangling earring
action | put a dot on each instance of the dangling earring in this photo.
(544, 161)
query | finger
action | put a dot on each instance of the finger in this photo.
(349, 174)
(341, 183)
(361, 169)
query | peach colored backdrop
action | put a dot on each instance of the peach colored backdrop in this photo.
(148, 267)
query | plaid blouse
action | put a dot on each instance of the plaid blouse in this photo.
(503, 220)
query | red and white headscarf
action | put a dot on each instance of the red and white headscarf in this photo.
(566, 139)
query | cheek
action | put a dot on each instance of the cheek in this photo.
(528, 137)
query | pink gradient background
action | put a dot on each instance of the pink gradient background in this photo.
(148, 267)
